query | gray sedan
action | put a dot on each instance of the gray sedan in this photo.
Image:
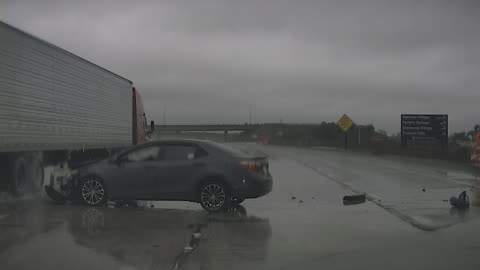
(213, 174)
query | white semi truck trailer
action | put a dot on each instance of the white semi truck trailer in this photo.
(58, 108)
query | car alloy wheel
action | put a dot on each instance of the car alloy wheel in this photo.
(93, 192)
(213, 197)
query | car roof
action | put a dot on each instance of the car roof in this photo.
(206, 143)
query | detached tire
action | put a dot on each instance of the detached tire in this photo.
(91, 191)
(214, 196)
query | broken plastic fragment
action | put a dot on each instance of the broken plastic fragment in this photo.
(354, 199)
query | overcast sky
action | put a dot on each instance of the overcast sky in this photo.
(300, 61)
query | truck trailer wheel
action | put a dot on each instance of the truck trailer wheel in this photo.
(35, 174)
(19, 180)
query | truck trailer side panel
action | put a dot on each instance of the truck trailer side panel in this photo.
(51, 99)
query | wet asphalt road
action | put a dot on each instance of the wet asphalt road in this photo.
(302, 224)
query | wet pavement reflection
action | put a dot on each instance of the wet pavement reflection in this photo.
(303, 223)
(164, 237)
(145, 238)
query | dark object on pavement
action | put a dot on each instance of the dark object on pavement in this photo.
(293, 197)
(462, 202)
(423, 189)
(54, 195)
(354, 199)
(190, 248)
(209, 173)
(126, 204)
(301, 201)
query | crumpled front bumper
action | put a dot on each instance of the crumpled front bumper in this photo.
(60, 185)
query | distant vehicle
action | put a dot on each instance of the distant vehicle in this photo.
(213, 174)
(58, 108)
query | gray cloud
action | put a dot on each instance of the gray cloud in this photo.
(303, 61)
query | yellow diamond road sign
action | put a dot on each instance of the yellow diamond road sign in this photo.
(345, 123)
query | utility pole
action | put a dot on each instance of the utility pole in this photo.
(250, 113)
(165, 115)
(359, 132)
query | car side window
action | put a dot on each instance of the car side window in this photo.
(200, 152)
(182, 152)
(144, 154)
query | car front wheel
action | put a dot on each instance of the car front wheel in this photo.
(214, 196)
(92, 191)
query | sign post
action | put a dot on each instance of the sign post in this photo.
(475, 156)
(424, 128)
(345, 123)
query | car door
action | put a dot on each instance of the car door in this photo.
(176, 172)
(133, 176)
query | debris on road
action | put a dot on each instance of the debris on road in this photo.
(354, 199)
(462, 202)
(423, 189)
(301, 201)
(293, 197)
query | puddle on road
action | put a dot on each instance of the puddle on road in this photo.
(142, 237)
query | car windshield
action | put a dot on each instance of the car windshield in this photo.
(239, 134)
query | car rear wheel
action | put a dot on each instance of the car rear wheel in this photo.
(92, 191)
(214, 196)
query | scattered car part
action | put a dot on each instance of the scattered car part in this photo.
(354, 199)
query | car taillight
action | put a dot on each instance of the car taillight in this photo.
(255, 165)
(249, 165)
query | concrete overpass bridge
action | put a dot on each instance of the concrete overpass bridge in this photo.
(265, 129)
(204, 128)
(225, 128)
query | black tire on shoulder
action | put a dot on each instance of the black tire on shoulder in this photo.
(214, 196)
(91, 191)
